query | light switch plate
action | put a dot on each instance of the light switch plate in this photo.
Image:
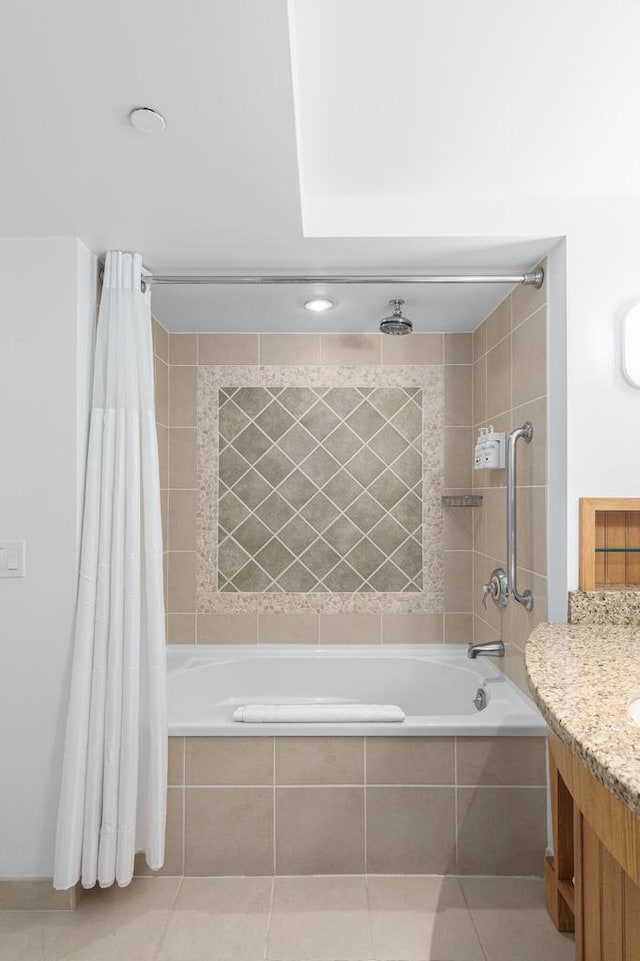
(12, 557)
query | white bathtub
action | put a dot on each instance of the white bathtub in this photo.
(434, 684)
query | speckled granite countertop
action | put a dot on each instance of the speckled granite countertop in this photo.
(582, 678)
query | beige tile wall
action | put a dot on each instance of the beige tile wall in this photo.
(509, 387)
(178, 436)
(346, 805)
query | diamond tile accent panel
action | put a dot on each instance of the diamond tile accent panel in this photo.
(320, 490)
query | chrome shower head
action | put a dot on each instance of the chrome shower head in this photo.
(396, 323)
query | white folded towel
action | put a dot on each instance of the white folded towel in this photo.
(318, 713)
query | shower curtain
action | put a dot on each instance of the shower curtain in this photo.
(113, 795)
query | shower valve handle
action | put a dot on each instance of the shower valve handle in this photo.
(497, 589)
(487, 589)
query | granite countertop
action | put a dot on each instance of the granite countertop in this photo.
(582, 678)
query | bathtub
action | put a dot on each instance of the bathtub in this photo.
(434, 684)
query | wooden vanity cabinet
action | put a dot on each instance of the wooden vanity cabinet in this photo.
(592, 883)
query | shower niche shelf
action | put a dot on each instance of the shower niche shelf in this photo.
(462, 500)
(609, 543)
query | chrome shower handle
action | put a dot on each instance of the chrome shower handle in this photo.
(520, 433)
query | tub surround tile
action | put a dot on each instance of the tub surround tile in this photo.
(218, 918)
(162, 433)
(410, 760)
(319, 760)
(182, 520)
(499, 378)
(498, 324)
(320, 830)
(458, 348)
(182, 401)
(423, 349)
(458, 628)
(181, 628)
(161, 371)
(285, 349)
(222, 761)
(228, 831)
(412, 629)
(479, 341)
(501, 830)
(288, 628)
(350, 628)
(228, 349)
(340, 350)
(458, 451)
(410, 830)
(182, 458)
(227, 628)
(183, 349)
(530, 358)
(320, 919)
(160, 341)
(457, 580)
(480, 391)
(458, 384)
(182, 580)
(501, 761)
(175, 771)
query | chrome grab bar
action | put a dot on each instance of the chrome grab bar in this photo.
(520, 433)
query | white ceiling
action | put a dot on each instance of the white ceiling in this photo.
(415, 97)
(383, 104)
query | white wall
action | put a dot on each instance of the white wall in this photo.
(47, 314)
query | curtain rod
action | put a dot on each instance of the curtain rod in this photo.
(532, 278)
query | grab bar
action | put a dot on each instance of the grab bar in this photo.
(520, 433)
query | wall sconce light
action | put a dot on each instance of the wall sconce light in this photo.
(631, 346)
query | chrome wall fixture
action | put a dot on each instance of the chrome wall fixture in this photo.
(524, 433)
(531, 278)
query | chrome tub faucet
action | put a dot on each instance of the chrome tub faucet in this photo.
(492, 649)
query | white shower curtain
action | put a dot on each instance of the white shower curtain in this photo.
(113, 795)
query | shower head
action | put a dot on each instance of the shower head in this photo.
(396, 323)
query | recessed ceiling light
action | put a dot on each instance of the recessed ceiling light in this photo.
(147, 120)
(318, 304)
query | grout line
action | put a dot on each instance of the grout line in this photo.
(529, 316)
(156, 953)
(455, 800)
(273, 777)
(184, 806)
(470, 912)
(363, 784)
(365, 792)
(267, 937)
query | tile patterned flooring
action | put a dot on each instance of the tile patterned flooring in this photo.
(352, 918)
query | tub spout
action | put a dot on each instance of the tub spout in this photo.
(493, 649)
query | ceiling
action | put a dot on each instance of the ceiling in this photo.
(372, 98)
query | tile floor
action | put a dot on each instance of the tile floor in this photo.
(354, 918)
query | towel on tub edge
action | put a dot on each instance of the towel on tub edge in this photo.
(318, 713)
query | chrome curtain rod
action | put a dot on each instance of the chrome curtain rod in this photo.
(532, 278)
